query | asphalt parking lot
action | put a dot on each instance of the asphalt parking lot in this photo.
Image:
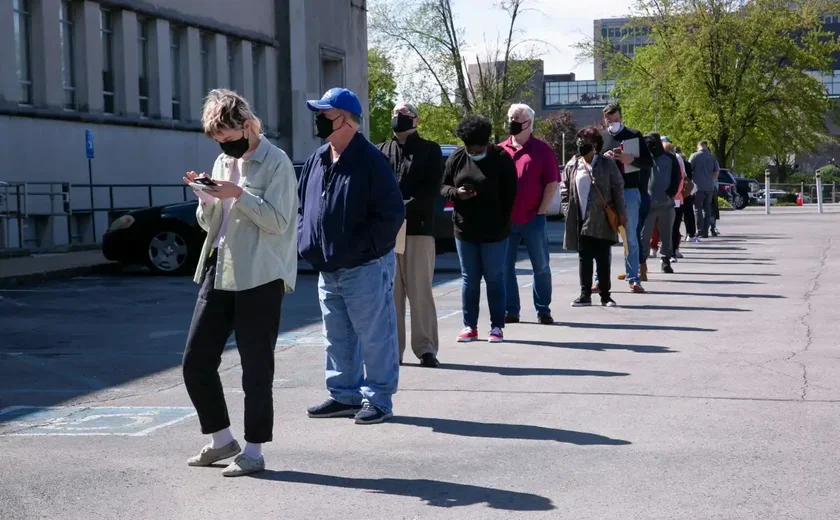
(713, 397)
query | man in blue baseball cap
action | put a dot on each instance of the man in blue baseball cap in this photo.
(351, 210)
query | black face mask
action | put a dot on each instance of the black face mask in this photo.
(323, 126)
(402, 123)
(584, 148)
(515, 127)
(236, 149)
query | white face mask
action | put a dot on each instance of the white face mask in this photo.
(615, 128)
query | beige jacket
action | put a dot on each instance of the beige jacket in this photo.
(260, 244)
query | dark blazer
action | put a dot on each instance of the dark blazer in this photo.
(418, 165)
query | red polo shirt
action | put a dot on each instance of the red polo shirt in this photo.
(536, 167)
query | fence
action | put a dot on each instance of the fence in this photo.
(808, 191)
(32, 213)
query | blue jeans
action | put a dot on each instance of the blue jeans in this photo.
(536, 242)
(633, 202)
(360, 331)
(487, 260)
(644, 210)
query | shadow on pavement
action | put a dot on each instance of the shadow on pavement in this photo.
(508, 431)
(520, 371)
(713, 248)
(677, 308)
(745, 262)
(633, 326)
(744, 275)
(597, 347)
(434, 493)
(722, 295)
(716, 282)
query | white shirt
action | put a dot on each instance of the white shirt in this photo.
(583, 182)
(235, 177)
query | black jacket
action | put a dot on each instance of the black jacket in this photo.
(484, 218)
(418, 165)
(638, 180)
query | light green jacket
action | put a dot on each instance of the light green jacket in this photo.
(260, 244)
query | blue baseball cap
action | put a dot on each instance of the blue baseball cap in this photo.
(666, 139)
(339, 98)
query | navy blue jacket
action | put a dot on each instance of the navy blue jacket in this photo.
(351, 211)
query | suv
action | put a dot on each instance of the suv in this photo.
(728, 189)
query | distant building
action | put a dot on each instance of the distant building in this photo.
(135, 73)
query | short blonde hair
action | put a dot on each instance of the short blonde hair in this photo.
(669, 147)
(226, 110)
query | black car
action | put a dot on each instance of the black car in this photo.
(167, 239)
(729, 189)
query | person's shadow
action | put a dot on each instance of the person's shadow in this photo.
(508, 431)
(432, 492)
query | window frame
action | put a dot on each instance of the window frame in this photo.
(143, 66)
(67, 28)
(106, 35)
(175, 39)
(22, 16)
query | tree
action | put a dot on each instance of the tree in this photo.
(428, 40)
(732, 72)
(438, 122)
(552, 130)
(382, 90)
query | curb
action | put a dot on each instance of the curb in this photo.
(8, 282)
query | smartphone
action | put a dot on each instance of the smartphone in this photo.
(469, 187)
(206, 181)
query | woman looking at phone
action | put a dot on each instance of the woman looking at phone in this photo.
(480, 179)
(248, 207)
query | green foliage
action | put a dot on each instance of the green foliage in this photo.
(382, 90)
(786, 198)
(551, 130)
(723, 203)
(438, 122)
(830, 171)
(728, 71)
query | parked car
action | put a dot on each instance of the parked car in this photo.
(748, 188)
(167, 239)
(728, 189)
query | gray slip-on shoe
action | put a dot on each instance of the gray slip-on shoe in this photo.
(209, 456)
(244, 465)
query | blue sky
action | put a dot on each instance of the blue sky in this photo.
(560, 22)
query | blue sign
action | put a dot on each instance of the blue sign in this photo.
(89, 144)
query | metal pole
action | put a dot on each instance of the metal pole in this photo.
(819, 194)
(802, 191)
(19, 217)
(92, 203)
(766, 192)
(833, 192)
(564, 150)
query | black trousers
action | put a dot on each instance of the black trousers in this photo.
(596, 249)
(254, 317)
(688, 214)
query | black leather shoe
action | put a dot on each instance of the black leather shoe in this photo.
(429, 361)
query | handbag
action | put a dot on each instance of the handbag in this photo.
(609, 209)
(688, 188)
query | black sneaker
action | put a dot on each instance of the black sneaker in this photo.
(429, 360)
(583, 301)
(715, 232)
(510, 318)
(608, 302)
(332, 408)
(666, 267)
(546, 319)
(370, 414)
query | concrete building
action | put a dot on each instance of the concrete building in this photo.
(134, 73)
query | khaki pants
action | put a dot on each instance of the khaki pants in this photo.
(415, 269)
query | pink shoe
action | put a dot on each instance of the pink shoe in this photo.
(467, 335)
(496, 335)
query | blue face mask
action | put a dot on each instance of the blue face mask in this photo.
(477, 158)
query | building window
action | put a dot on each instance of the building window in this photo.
(23, 49)
(258, 84)
(106, 30)
(68, 66)
(232, 46)
(603, 31)
(175, 60)
(204, 49)
(143, 64)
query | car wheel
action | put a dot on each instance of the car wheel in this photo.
(738, 201)
(170, 252)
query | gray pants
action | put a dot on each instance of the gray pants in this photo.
(663, 218)
(703, 211)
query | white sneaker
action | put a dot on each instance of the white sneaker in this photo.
(654, 253)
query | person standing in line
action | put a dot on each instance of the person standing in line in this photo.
(663, 186)
(480, 179)
(706, 170)
(679, 202)
(538, 173)
(688, 202)
(635, 187)
(351, 211)
(590, 184)
(248, 263)
(418, 164)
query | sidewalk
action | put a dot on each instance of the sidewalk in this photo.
(39, 267)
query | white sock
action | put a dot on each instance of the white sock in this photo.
(252, 450)
(221, 438)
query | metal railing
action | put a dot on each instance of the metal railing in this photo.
(21, 201)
